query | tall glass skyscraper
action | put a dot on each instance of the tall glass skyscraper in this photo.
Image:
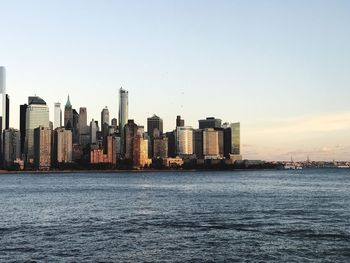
(236, 138)
(57, 116)
(123, 115)
(37, 114)
(3, 96)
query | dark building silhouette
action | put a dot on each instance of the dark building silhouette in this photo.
(171, 144)
(130, 131)
(153, 123)
(7, 123)
(22, 124)
(179, 122)
(68, 115)
(198, 143)
(209, 122)
(75, 126)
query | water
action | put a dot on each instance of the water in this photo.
(274, 216)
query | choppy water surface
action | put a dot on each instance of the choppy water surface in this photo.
(171, 216)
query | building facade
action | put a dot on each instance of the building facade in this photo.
(62, 146)
(57, 115)
(11, 146)
(184, 141)
(209, 122)
(210, 144)
(42, 148)
(123, 115)
(37, 114)
(68, 115)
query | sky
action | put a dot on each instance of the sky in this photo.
(281, 68)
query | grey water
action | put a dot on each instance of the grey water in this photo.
(236, 216)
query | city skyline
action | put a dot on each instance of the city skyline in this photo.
(278, 68)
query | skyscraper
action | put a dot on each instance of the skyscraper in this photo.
(42, 148)
(209, 122)
(22, 124)
(236, 138)
(179, 122)
(184, 141)
(57, 115)
(62, 150)
(3, 96)
(37, 114)
(210, 143)
(68, 115)
(7, 112)
(93, 131)
(123, 114)
(105, 126)
(84, 129)
(12, 146)
(153, 123)
(130, 131)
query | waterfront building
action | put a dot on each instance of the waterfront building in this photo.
(11, 146)
(171, 144)
(210, 143)
(160, 147)
(37, 114)
(130, 131)
(4, 114)
(209, 122)
(173, 162)
(57, 115)
(22, 124)
(62, 146)
(123, 115)
(42, 148)
(140, 151)
(184, 141)
(236, 138)
(198, 143)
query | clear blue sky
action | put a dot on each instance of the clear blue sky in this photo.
(281, 68)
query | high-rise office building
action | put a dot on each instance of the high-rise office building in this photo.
(140, 150)
(75, 130)
(179, 122)
(84, 129)
(184, 141)
(62, 146)
(209, 122)
(37, 114)
(7, 112)
(93, 131)
(57, 115)
(153, 123)
(160, 147)
(42, 148)
(123, 114)
(68, 115)
(198, 143)
(105, 126)
(3, 97)
(105, 116)
(171, 144)
(130, 131)
(22, 124)
(11, 146)
(236, 138)
(210, 143)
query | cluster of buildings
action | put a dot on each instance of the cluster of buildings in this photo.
(70, 139)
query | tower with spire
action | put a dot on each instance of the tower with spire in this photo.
(68, 115)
